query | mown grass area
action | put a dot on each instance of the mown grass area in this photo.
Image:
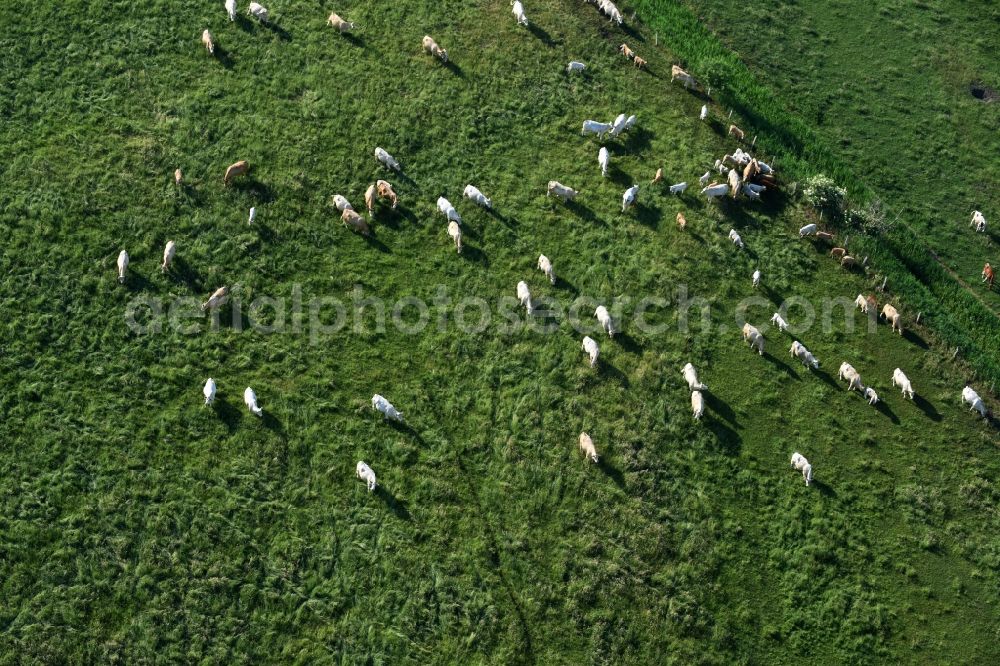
(139, 526)
(905, 132)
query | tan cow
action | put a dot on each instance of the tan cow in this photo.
(676, 73)
(217, 299)
(355, 222)
(681, 221)
(385, 191)
(639, 62)
(339, 24)
(737, 132)
(431, 47)
(626, 51)
(178, 177)
(754, 337)
(848, 261)
(838, 253)
(893, 317)
(206, 39)
(234, 170)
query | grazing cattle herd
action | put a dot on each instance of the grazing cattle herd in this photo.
(747, 176)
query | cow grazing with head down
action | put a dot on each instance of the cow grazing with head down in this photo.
(588, 448)
(800, 463)
(678, 74)
(893, 317)
(851, 376)
(432, 48)
(800, 352)
(754, 337)
(900, 379)
(988, 275)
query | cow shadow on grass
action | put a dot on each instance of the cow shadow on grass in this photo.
(611, 372)
(377, 244)
(647, 216)
(583, 212)
(135, 282)
(187, 274)
(926, 407)
(627, 342)
(827, 378)
(272, 423)
(243, 23)
(278, 31)
(227, 413)
(261, 193)
(541, 34)
(619, 177)
(780, 364)
(454, 69)
(565, 285)
(508, 221)
(404, 428)
(612, 473)
(265, 233)
(915, 339)
(395, 504)
(475, 255)
(637, 139)
(728, 438)
(717, 406)
(887, 411)
(352, 39)
(824, 489)
(223, 56)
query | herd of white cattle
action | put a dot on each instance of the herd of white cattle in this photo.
(747, 175)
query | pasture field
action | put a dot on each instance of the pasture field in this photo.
(881, 97)
(139, 526)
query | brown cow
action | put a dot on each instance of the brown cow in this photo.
(234, 170)
(639, 62)
(658, 178)
(626, 51)
(988, 275)
(838, 253)
(385, 191)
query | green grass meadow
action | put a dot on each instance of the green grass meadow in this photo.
(139, 526)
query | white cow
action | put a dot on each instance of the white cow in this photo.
(779, 321)
(704, 178)
(807, 230)
(168, 255)
(366, 474)
(209, 391)
(629, 123)
(575, 66)
(592, 349)
(250, 398)
(754, 337)
(970, 397)
(978, 221)
(735, 237)
(259, 12)
(851, 376)
(604, 317)
(253, 215)
(715, 190)
(756, 280)
(900, 379)
(342, 203)
(518, 12)
(524, 296)
(862, 303)
(628, 198)
(800, 464)
(449, 211)
(752, 187)
(472, 192)
(231, 9)
(678, 188)
(385, 408)
(871, 396)
(618, 126)
(800, 352)
(561, 191)
(588, 448)
(386, 159)
(691, 377)
(122, 266)
(545, 266)
(697, 404)
(704, 112)
(893, 317)
(455, 232)
(602, 159)
(595, 127)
